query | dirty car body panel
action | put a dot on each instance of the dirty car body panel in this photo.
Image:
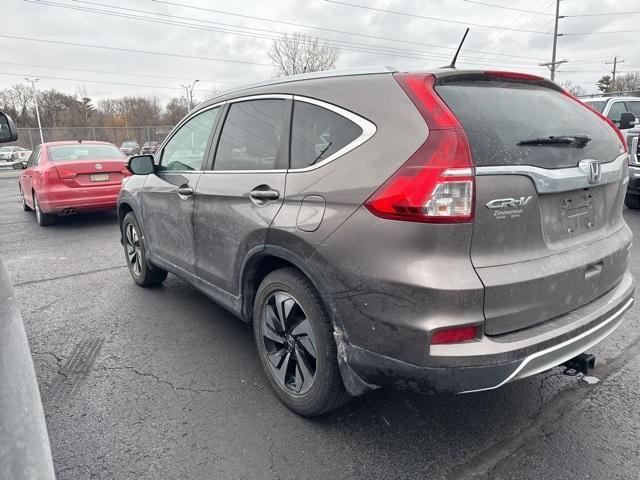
(538, 279)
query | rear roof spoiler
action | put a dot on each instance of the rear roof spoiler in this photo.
(447, 76)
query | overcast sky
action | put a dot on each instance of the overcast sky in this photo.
(193, 32)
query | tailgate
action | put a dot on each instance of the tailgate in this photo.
(548, 233)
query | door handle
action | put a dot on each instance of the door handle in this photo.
(185, 192)
(264, 195)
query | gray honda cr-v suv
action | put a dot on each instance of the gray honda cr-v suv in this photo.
(448, 231)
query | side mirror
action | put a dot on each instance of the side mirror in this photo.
(627, 120)
(141, 165)
(19, 165)
(8, 130)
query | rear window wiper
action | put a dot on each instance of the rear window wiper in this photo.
(579, 140)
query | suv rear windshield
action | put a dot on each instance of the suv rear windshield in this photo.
(497, 115)
(82, 152)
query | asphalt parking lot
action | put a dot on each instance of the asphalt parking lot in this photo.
(162, 383)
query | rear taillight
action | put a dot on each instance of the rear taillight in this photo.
(66, 173)
(436, 184)
(609, 122)
(454, 335)
(50, 175)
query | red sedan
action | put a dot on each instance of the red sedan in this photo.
(64, 178)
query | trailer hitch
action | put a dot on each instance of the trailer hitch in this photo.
(580, 364)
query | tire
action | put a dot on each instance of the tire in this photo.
(306, 386)
(43, 219)
(632, 201)
(143, 272)
(25, 207)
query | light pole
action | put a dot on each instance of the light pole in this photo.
(35, 99)
(191, 94)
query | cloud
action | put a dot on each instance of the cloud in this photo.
(42, 20)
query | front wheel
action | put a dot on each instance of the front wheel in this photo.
(632, 201)
(294, 339)
(142, 272)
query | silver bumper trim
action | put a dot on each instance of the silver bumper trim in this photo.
(560, 353)
(561, 179)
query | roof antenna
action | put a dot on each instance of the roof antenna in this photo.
(452, 65)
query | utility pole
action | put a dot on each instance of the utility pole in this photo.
(613, 72)
(35, 99)
(188, 89)
(191, 94)
(553, 64)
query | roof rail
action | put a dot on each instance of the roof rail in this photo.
(313, 75)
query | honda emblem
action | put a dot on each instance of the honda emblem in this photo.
(594, 171)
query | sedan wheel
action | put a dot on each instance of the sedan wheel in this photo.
(43, 219)
(289, 343)
(25, 207)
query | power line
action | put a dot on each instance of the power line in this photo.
(270, 35)
(603, 14)
(131, 50)
(508, 8)
(499, 34)
(108, 72)
(344, 32)
(608, 32)
(436, 19)
(90, 81)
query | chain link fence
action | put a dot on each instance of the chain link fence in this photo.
(30, 137)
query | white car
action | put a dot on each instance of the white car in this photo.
(14, 153)
(614, 107)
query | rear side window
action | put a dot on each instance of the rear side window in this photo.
(251, 136)
(616, 111)
(318, 133)
(497, 115)
(84, 152)
(597, 105)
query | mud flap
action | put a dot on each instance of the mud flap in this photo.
(353, 383)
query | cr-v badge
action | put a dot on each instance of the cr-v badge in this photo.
(508, 207)
(508, 202)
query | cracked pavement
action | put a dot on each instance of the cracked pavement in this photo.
(176, 390)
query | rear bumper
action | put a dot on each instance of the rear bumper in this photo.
(494, 361)
(60, 198)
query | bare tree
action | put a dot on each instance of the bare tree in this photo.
(629, 83)
(300, 53)
(573, 88)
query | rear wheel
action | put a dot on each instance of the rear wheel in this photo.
(143, 273)
(25, 207)
(43, 219)
(294, 338)
(632, 201)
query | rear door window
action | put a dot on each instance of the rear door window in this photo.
(497, 115)
(251, 138)
(318, 133)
